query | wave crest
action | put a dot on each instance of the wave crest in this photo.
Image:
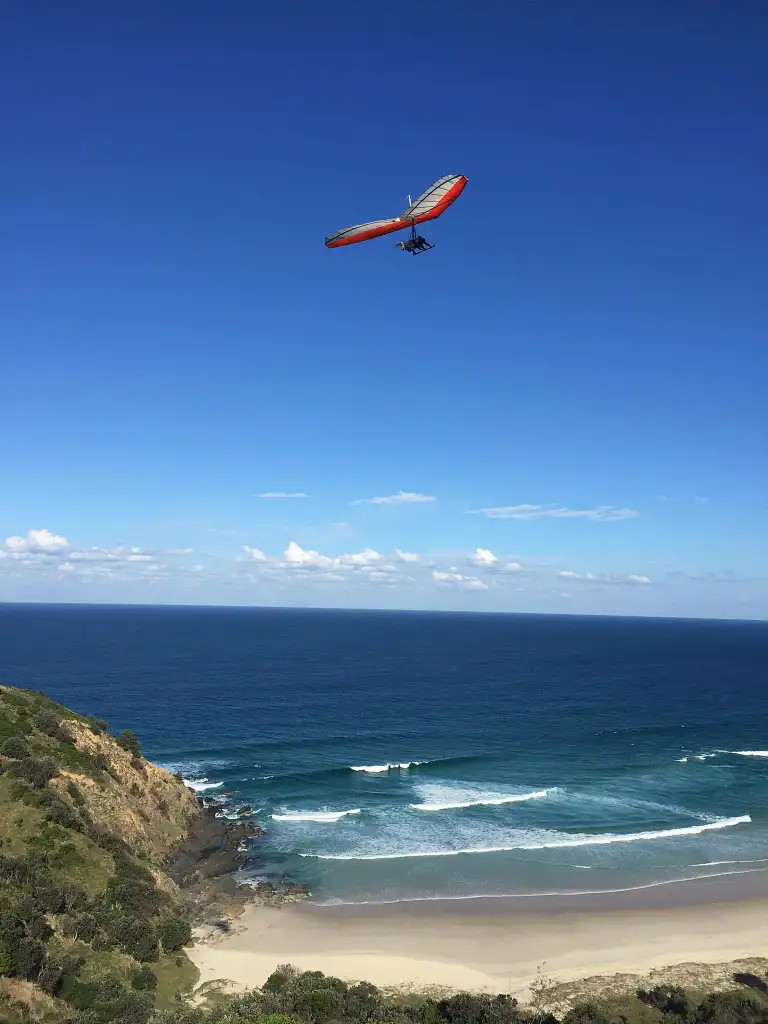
(550, 841)
(314, 815)
(482, 800)
(376, 768)
(201, 785)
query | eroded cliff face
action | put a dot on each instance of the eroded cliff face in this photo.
(149, 808)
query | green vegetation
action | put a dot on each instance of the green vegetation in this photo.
(82, 919)
(290, 996)
(128, 742)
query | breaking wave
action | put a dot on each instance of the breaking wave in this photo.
(549, 841)
(201, 785)
(376, 768)
(751, 753)
(480, 800)
(314, 815)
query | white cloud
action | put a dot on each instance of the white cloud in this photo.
(483, 556)
(43, 550)
(485, 559)
(36, 542)
(269, 495)
(401, 498)
(254, 554)
(406, 556)
(599, 514)
(367, 557)
(295, 555)
(467, 582)
(588, 577)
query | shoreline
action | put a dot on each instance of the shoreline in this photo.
(490, 944)
(725, 886)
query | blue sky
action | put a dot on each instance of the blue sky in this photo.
(585, 347)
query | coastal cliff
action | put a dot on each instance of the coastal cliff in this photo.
(106, 860)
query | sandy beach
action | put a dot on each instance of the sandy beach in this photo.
(492, 945)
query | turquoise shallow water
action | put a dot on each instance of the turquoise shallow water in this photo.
(397, 756)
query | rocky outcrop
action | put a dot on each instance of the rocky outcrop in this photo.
(210, 848)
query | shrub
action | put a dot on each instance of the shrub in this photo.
(175, 933)
(37, 772)
(667, 998)
(28, 955)
(50, 975)
(138, 938)
(15, 747)
(87, 927)
(129, 742)
(144, 978)
(730, 1008)
(40, 929)
(47, 722)
(7, 961)
(585, 1013)
(74, 792)
(75, 898)
(96, 725)
(140, 897)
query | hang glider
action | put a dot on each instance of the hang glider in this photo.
(428, 206)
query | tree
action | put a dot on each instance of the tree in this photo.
(129, 742)
(175, 933)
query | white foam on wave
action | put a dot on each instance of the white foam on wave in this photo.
(376, 768)
(467, 798)
(751, 753)
(715, 863)
(699, 757)
(549, 841)
(314, 815)
(201, 785)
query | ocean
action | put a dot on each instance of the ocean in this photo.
(396, 756)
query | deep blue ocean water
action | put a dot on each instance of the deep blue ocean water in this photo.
(401, 755)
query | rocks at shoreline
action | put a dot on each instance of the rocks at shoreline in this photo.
(203, 865)
(211, 848)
